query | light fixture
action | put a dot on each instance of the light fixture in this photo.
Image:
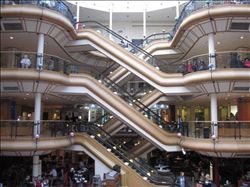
(11, 37)
(145, 178)
(37, 136)
(92, 136)
(179, 134)
(183, 151)
(218, 43)
(72, 134)
(109, 150)
(213, 137)
(241, 37)
(126, 163)
(157, 68)
(148, 174)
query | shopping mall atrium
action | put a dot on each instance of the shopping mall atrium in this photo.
(125, 93)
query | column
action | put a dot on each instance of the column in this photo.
(40, 49)
(144, 23)
(11, 62)
(216, 177)
(35, 167)
(111, 20)
(211, 52)
(214, 114)
(37, 118)
(77, 15)
(177, 10)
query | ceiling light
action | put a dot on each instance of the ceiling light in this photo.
(241, 37)
(218, 43)
(11, 37)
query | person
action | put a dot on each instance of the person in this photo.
(208, 182)
(53, 175)
(246, 63)
(181, 180)
(51, 64)
(189, 67)
(37, 182)
(202, 178)
(180, 124)
(25, 62)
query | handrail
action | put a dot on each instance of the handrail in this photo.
(151, 59)
(153, 37)
(194, 5)
(94, 132)
(118, 151)
(57, 5)
(132, 101)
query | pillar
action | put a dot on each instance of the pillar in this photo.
(11, 62)
(144, 23)
(37, 118)
(111, 20)
(77, 15)
(40, 49)
(177, 10)
(214, 114)
(35, 167)
(215, 175)
(211, 51)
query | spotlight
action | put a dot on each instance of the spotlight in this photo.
(72, 134)
(213, 137)
(183, 151)
(179, 134)
(37, 136)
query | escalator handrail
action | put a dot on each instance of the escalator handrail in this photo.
(135, 101)
(123, 39)
(123, 155)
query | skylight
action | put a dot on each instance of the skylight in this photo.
(127, 6)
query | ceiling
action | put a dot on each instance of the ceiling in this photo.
(160, 15)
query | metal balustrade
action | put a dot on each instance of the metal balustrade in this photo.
(65, 128)
(57, 5)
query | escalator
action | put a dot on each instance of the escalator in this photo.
(121, 110)
(94, 139)
(131, 62)
(121, 74)
(113, 125)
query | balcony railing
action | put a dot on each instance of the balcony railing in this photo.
(195, 5)
(157, 36)
(195, 129)
(205, 129)
(16, 129)
(227, 59)
(57, 5)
